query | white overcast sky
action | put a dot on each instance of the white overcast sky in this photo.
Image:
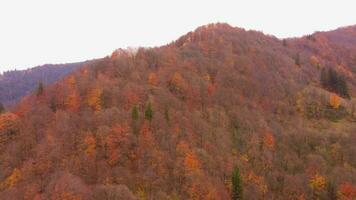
(35, 32)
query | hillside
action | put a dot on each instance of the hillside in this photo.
(18, 83)
(178, 121)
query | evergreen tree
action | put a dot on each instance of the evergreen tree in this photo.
(166, 114)
(334, 82)
(134, 113)
(40, 89)
(2, 108)
(237, 192)
(149, 112)
(135, 116)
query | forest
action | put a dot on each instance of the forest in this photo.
(220, 113)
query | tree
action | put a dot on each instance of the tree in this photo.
(149, 112)
(347, 191)
(8, 124)
(94, 99)
(40, 89)
(2, 108)
(152, 79)
(135, 116)
(334, 82)
(134, 113)
(269, 140)
(317, 184)
(315, 61)
(12, 179)
(237, 191)
(90, 143)
(335, 101)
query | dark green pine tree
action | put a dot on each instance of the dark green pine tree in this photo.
(135, 116)
(40, 89)
(237, 192)
(149, 112)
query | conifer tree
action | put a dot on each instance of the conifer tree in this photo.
(134, 113)
(149, 112)
(237, 192)
(40, 89)
(2, 108)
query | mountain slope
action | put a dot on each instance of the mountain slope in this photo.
(16, 84)
(173, 122)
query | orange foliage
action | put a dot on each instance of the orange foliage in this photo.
(211, 89)
(8, 126)
(177, 82)
(7, 121)
(12, 179)
(66, 196)
(94, 99)
(152, 79)
(347, 191)
(117, 138)
(335, 101)
(192, 163)
(146, 139)
(91, 145)
(269, 140)
(259, 181)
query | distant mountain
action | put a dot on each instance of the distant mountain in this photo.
(220, 113)
(18, 83)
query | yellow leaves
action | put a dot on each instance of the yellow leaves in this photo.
(259, 181)
(315, 61)
(94, 99)
(12, 179)
(207, 77)
(244, 157)
(317, 182)
(152, 79)
(8, 125)
(334, 101)
(269, 140)
(90, 143)
(177, 83)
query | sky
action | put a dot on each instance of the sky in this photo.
(36, 32)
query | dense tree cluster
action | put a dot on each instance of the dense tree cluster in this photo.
(334, 82)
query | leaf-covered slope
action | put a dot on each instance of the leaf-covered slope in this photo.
(175, 122)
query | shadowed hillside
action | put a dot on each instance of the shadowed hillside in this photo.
(18, 83)
(192, 119)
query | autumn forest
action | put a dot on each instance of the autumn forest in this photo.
(220, 113)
